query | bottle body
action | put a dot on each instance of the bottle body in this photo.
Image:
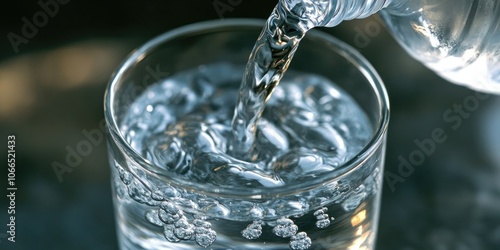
(458, 39)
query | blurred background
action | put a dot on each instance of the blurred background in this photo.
(53, 74)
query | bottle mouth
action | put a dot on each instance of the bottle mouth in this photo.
(349, 53)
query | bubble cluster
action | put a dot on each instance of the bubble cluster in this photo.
(300, 241)
(157, 195)
(173, 210)
(204, 235)
(176, 226)
(169, 213)
(183, 229)
(153, 218)
(285, 228)
(125, 176)
(253, 231)
(139, 192)
(168, 232)
(322, 217)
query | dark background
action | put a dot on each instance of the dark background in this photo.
(53, 87)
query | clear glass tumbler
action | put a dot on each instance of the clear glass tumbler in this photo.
(158, 208)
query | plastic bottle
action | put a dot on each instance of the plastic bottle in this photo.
(458, 39)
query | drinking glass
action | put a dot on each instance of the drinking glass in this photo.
(156, 209)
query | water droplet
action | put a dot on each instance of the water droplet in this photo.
(253, 231)
(152, 217)
(300, 241)
(285, 228)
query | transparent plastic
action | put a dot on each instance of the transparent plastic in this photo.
(458, 39)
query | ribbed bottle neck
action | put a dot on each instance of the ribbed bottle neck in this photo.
(329, 13)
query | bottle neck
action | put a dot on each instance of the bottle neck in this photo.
(329, 13)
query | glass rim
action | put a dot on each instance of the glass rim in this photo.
(206, 27)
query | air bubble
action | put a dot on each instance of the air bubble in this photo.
(253, 231)
(125, 176)
(168, 232)
(322, 217)
(157, 195)
(169, 207)
(169, 218)
(285, 228)
(300, 241)
(323, 221)
(153, 218)
(321, 211)
(183, 230)
(204, 235)
(170, 213)
(138, 192)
